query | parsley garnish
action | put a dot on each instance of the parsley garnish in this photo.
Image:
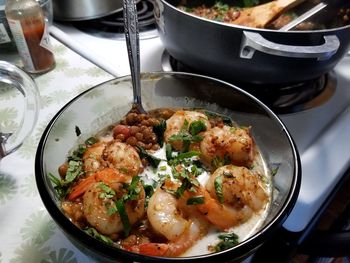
(227, 240)
(197, 127)
(154, 161)
(159, 131)
(60, 186)
(95, 234)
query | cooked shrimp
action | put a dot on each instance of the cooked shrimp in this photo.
(92, 158)
(96, 205)
(176, 123)
(168, 220)
(227, 145)
(241, 195)
(123, 157)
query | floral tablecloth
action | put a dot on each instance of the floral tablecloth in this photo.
(27, 232)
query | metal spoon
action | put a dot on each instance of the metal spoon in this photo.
(304, 16)
(133, 47)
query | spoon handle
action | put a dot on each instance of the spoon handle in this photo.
(133, 46)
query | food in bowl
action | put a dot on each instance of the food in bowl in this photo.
(166, 182)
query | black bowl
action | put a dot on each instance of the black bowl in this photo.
(108, 102)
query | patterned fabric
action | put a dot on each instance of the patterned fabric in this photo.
(27, 232)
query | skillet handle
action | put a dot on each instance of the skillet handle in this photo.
(252, 41)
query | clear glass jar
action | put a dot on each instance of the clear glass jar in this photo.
(29, 28)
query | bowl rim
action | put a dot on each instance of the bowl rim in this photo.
(240, 251)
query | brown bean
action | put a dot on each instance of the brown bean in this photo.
(134, 130)
(139, 136)
(131, 118)
(62, 170)
(131, 140)
(120, 137)
(155, 147)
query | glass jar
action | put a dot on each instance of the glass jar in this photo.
(29, 28)
(6, 40)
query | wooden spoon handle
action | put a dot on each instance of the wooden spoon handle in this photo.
(259, 16)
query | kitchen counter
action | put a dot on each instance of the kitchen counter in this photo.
(28, 234)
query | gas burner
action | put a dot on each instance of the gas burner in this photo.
(289, 98)
(112, 26)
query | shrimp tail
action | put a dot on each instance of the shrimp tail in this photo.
(80, 188)
(150, 249)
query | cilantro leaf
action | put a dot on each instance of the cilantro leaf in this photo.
(95, 234)
(227, 240)
(197, 126)
(154, 161)
(159, 131)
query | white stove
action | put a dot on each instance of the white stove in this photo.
(322, 134)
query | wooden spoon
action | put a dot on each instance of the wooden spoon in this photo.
(259, 16)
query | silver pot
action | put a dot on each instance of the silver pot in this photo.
(75, 10)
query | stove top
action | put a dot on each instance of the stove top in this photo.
(288, 98)
(112, 26)
(321, 132)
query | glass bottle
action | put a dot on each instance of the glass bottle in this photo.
(30, 32)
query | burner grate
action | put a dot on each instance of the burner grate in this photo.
(282, 99)
(112, 26)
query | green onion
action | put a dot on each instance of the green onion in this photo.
(168, 152)
(107, 191)
(133, 190)
(197, 200)
(123, 216)
(218, 188)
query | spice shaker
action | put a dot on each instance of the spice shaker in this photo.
(29, 28)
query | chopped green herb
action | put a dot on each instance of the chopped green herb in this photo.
(249, 3)
(197, 200)
(154, 161)
(124, 170)
(168, 151)
(95, 234)
(197, 126)
(123, 216)
(111, 209)
(107, 191)
(60, 186)
(221, 6)
(274, 168)
(219, 161)
(77, 154)
(90, 141)
(227, 240)
(77, 131)
(159, 131)
(225, 119)
(133, 190)
(75, 169)
(180, 190)
(218, 188)
(149, 190)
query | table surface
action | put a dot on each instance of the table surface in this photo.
(27, 232)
